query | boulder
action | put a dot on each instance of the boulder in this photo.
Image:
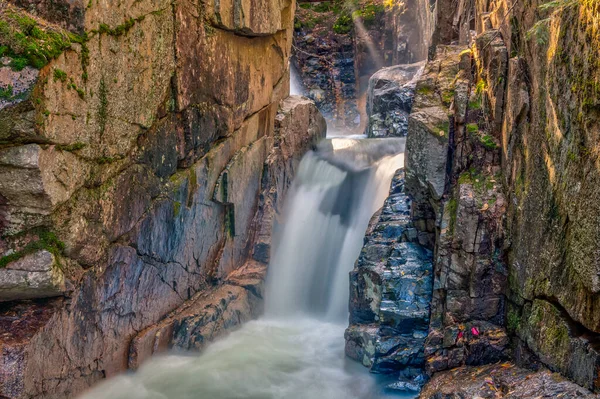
(37, 275)
(389, 100)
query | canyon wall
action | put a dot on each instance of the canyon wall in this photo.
(501, 163)
(144, 151)
(501, 170)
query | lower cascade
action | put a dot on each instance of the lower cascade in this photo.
(296, 350)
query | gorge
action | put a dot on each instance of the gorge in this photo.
(175, 224)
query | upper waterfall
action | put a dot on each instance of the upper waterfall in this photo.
(337, 189)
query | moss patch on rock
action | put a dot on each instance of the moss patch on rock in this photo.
(29, 42)
(46, 240)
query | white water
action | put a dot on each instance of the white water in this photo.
(326, 215)
(297, 350)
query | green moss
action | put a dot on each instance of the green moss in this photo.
(513, 321)
(79, 91)
(472, 128)
(46, 240)
(343, 24)
(70, 147)
(6, 93)
(368, 14)
(118, 30)
(27, 43)
(176, 208)
(192, 186)
(447, 97)
(209, 30)
(59, 74)
(443, 128)
(424, 90)
(478, 180)
(475, 104)
(452, 208)
(488, 142)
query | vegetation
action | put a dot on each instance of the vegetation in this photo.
(6, 93)
(59, 74)
(27, 43)
(103, 108)
(119, 30)
(368, 13)
(488, 142)
(452, 208)
(343, 25)
(70, 147)
(540, 30)
(47, 240)
(472, 128)
(513, 321)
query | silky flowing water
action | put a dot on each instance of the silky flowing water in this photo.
(296, 351)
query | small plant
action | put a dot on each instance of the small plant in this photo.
(46, 240)
(70, 147)
(343, 24)
(425, 90)
(6, 93)
(59, 74)
(452, 208)
(28, 44)
(480, 87)
(472, 128)
(488, 142)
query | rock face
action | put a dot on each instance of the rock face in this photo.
(390, 293)
(144, 153)
(501, 381)
(499, 161)
(389, 100)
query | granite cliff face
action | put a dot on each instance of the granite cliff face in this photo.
(500, 168)
(144, 151)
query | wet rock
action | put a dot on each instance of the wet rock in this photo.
(389, 100)
(36, 275)
(501, 381)
(390, 291)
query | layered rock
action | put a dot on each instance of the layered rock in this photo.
(389, 100)
(390, 292)
(143, 159)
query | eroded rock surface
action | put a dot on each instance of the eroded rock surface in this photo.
(390, 293)
(389, 100)
(143, 154)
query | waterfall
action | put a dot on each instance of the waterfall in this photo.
(336, 191)
(295, 83)
(297, 350)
